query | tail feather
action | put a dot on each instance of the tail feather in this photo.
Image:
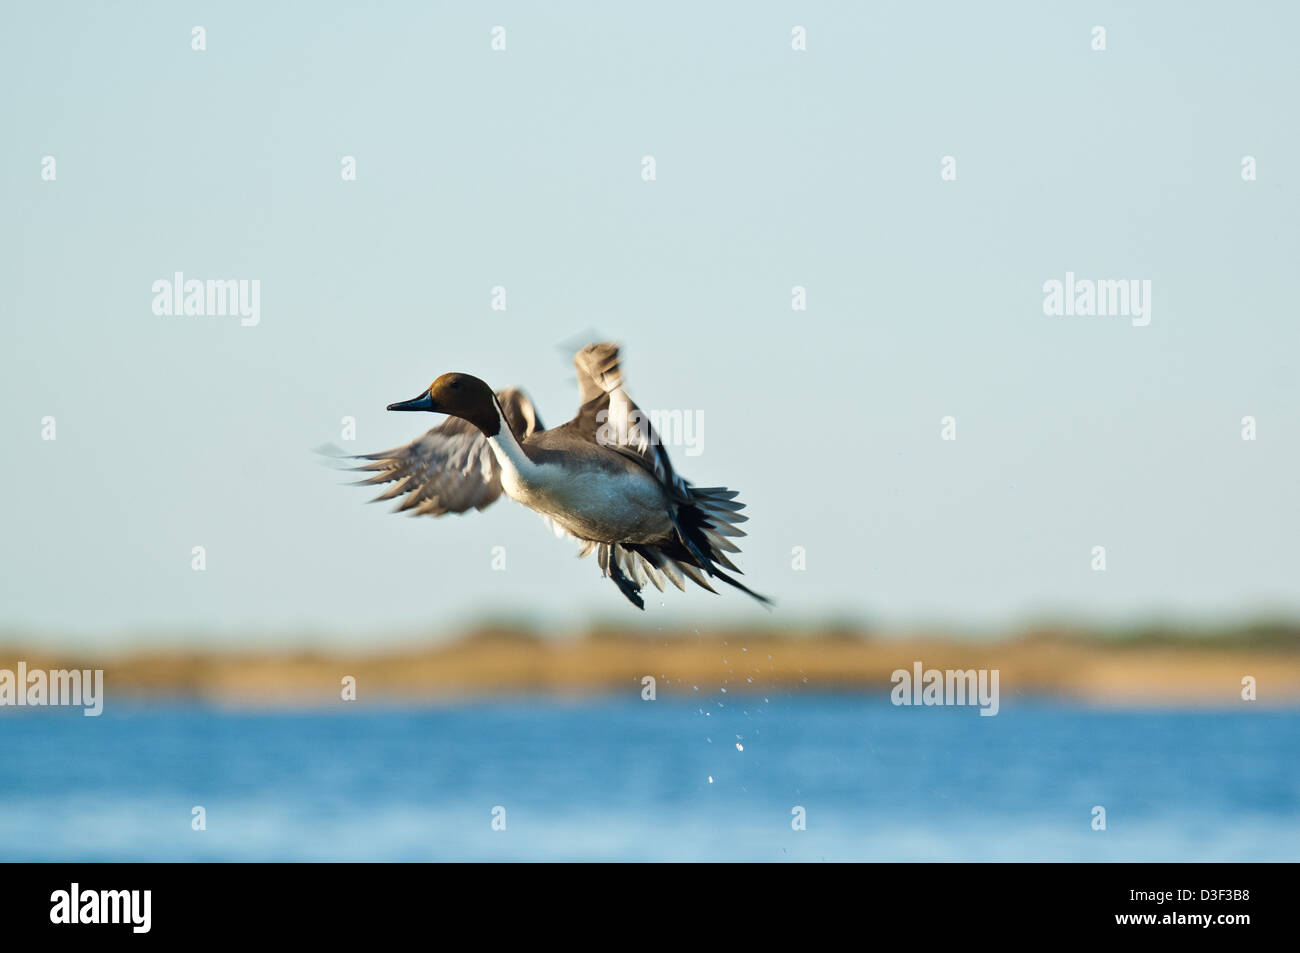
(697, 551)
(743, 588)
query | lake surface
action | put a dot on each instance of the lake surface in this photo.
(697, 778)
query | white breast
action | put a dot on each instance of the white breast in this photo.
(622, 505)
(594, 503)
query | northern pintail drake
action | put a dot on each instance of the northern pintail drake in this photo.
(603, 477)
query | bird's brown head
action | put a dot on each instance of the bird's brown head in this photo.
(460, 395)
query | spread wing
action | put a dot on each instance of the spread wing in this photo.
(451, 468)
(609, 417)
(598, 371)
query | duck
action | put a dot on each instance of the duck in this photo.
(604, 478)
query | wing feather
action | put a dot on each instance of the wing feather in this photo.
(609, 417)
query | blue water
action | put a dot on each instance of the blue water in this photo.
(620, 779)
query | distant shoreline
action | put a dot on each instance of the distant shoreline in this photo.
(1161, 672)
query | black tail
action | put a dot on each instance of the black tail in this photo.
(704, 522)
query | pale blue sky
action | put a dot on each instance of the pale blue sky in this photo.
(775, 168)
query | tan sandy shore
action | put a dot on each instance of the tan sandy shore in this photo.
(1160, 671)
